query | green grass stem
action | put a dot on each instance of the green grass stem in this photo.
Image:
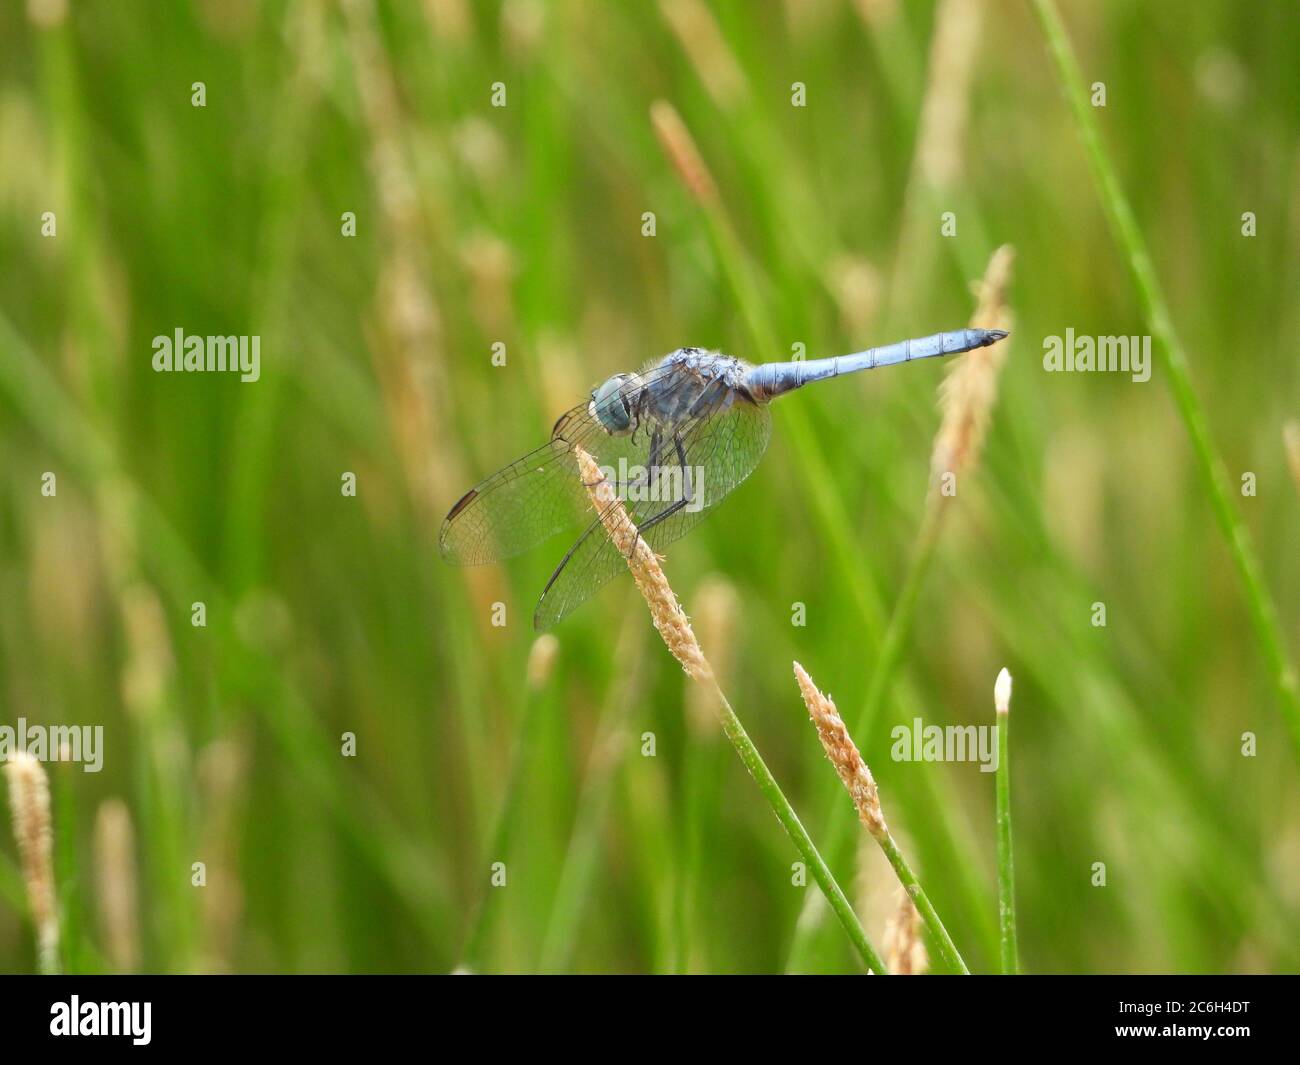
(1173, 359)
(1006, 864)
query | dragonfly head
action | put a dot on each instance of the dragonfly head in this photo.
(610, 405)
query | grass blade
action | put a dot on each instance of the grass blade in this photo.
(1006, 867)
(1169, 350)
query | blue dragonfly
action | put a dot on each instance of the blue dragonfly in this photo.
(674, 439)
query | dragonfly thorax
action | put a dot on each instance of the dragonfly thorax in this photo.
(611, 407)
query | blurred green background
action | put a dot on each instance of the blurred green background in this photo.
(523, 225)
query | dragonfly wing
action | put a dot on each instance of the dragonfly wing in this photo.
(720, 450)
(516, 508)
(538, 495)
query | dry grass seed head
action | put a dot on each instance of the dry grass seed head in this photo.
(904, 951)
(970, 389)
(29, 801)
(843, 754)
(667, 613)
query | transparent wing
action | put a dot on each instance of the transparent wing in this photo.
(721, 450)
(538, 495)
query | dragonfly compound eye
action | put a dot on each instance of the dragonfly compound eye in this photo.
(610, 405)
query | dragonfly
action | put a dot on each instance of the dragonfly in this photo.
(674, 439)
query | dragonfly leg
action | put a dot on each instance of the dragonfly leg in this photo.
(688, 493)
(651, 477)
(688, 489)
(652, 462)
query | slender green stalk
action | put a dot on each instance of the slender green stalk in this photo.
(578, 869)
(776, 799)
(1173, 358)
(900, 621)
(704, 779)
(508, 816)
(580, 861)
(69, 884)
(942, 940)
(1006, 865)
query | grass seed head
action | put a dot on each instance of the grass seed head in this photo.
(680, 148)
(970, 389)
(541, 661)
(904, 950)
(115, 883)
(669, 618)
(1291, 435)
(29, 801)
(1002, 692)
(844, 755)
